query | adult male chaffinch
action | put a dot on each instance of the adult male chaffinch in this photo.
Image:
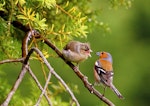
(103, 71)
(76, 51)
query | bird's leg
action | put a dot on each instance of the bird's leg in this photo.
(104, 90)
(76, 68)
(94, 84)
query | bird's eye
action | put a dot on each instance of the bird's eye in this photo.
(86, 49)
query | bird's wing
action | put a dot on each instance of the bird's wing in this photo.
(98, 68)
(106, 77)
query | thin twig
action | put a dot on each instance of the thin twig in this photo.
(16, 85)
(64, 11)
(45, 87)
(18, 81)
(39, 85)
(20, 77)
(11, 60)
(56, 75)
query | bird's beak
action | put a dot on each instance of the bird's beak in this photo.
(89, 55)
(91, 50)
(98, 53)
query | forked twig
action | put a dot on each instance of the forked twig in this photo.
(11, 60)
(55, 74)
(23, 71)
(39, 85)
(45, 87)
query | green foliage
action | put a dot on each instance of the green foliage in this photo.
(59, 21)
(1, 6)
(47, 3)
(117, 3)
(8, 44)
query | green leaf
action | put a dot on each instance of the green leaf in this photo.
(47, 3)
(27, 14)
(40, 23)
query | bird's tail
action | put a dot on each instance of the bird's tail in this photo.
(116, 91)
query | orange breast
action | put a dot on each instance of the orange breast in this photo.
(106, 65)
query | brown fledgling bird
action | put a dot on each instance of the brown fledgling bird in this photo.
(76, 51)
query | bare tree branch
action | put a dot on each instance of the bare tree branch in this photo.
(16, 85)
(18, 81)
(39, 85)
(34, 33)
(56, 75)
(20, 77)
(43, 91)
(12, 60)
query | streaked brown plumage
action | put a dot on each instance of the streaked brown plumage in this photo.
(76, 51)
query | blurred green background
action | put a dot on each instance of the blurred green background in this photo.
(129, 44)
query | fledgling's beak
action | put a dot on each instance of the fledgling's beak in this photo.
(91, 50)
(98, 53)
(89, 55)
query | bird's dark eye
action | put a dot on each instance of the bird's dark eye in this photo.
(86, 48)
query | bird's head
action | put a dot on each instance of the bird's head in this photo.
(105, 56)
